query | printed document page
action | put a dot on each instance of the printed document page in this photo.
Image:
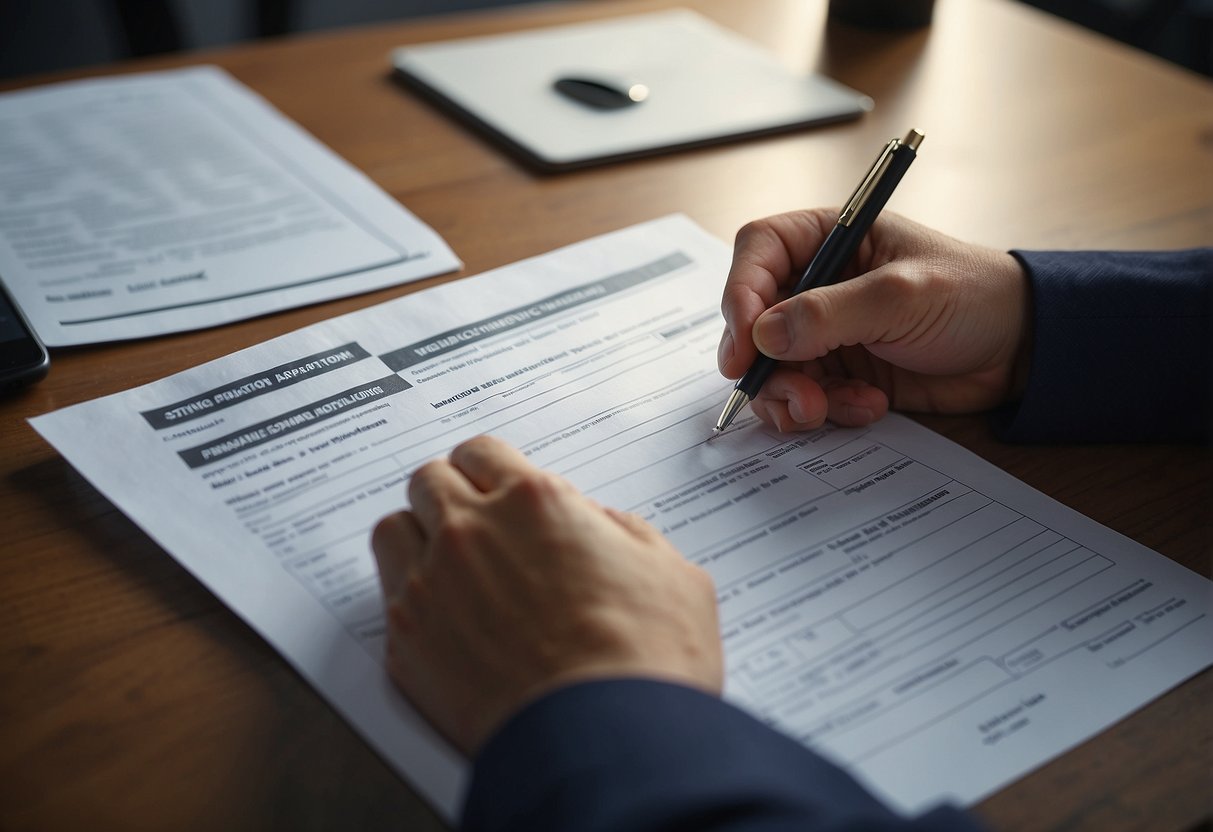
(144, 204)
(886, 597)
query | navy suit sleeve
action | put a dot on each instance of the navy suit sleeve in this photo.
(648, 756)
(1121, 348)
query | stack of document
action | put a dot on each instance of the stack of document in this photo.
(146, 204)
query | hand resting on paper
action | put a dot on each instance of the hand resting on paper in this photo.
(926, 323)
(503, 582)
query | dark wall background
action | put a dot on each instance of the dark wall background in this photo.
(47, 35)
(1178, 30)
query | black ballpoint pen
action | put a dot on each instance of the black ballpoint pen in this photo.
(839, 247)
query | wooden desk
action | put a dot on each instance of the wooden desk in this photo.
(131, 698)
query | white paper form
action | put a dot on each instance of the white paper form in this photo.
(145, 204)
(887, 597)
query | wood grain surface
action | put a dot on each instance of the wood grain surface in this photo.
(131, 698)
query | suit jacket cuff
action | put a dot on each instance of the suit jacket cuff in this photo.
(1121, 348)
(644, 755)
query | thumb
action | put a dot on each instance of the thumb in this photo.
(879, 306)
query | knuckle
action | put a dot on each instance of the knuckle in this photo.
(536, 488)
(898, 287)
(912, 295)
(754, 229)
(426, 469)
(809, 311)
(734, 296)
(477, 444)
(740, 304)
(421, 476)
(533, 493)
(821, 219)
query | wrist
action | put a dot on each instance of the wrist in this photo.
(1021, 362)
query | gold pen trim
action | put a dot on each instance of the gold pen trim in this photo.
(866, 187)
(912, 140)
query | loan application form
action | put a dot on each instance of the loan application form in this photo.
(144, 204)
(900, 605)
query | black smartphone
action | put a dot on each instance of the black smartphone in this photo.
(23, 359)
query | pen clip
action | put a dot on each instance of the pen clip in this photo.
(868, 184)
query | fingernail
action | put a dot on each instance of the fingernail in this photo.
(771, 334)
(796, 412)
(725, 351)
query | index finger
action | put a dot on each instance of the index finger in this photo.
(488, 462)
(768, 255)
(397, 542)
(436, 489)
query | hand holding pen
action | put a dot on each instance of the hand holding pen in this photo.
(926, 323)
(839, 247)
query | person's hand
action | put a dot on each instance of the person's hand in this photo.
(927, 323)
(503, 582)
